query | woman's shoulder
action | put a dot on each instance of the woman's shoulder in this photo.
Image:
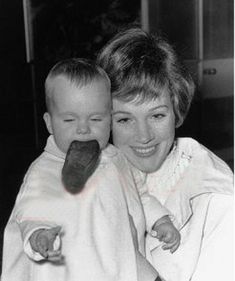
(194, 149)
(191, 148)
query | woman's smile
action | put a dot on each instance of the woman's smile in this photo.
(144, 151)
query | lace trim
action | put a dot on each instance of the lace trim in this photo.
(182, 163)
(162, 182)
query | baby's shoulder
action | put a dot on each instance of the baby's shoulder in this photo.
(110, 151)
(112, 154)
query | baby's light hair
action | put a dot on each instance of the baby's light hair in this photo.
(78, 71)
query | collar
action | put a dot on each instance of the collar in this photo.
(53, 149)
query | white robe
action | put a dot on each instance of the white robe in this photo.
(196, 186)
(103, 227)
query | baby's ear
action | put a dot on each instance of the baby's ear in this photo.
(47, 119)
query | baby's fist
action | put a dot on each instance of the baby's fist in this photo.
(164, 230)
(42, 241)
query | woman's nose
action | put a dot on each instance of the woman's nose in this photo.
(83, 128)
(144, 133)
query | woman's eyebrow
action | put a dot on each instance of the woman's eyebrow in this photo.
(159, 107)
(119, 112)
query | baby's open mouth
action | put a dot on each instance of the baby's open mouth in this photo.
(80, 163)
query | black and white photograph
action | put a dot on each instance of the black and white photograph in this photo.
(117, 139)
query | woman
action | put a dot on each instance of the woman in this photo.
(152, 94)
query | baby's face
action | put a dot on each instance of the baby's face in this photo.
(79, 113)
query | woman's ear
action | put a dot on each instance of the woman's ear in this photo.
(47, 119)
(179, 122)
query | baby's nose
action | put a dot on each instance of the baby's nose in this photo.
(83, 128)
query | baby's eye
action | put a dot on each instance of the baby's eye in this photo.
(69, 120)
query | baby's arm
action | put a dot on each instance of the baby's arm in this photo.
(164, 230)
(158, 220)
(43, 241)
(38, 221)
(153, 209)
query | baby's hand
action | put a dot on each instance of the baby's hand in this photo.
(164, 230)
(42, 241)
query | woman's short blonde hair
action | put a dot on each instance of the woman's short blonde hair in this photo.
(142, 67)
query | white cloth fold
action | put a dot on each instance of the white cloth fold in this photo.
(192, 183)
(98, 242)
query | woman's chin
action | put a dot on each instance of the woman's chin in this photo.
(146, 166)
(148, 170)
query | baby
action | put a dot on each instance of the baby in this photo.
(98, 232)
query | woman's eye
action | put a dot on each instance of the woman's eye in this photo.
(96, 119)
(123, 120)
(158, 116)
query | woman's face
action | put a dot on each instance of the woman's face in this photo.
(144, 132)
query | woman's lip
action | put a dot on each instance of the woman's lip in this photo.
(144, 151)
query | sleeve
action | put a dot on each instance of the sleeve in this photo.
(27, 228)
(33, 212)
(153, 209)
(217, 240)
